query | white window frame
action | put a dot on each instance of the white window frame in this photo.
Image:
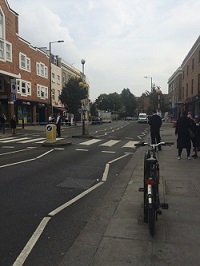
(42, 70)
(58, 79)
(53, 77)
(42, 92)
(24, 64)
(8, 51)
(23, 90)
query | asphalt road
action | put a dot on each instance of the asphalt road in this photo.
(38, 183)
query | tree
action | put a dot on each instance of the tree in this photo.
(72, 94)
(129, 102)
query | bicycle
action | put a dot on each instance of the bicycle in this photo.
(152, 205)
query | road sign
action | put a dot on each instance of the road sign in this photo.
(14, 97)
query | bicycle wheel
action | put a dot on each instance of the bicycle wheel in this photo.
(146, 176)
(151, 218)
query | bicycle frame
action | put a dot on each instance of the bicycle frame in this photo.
(151, 186)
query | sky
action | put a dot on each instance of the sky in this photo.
(122, 41)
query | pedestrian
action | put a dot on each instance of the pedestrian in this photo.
(183, 125)
(58, 125)
(155, 123)
(196, 139)
(3, 122)
(13, 124)
(51, 119)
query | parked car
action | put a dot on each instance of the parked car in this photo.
(97, 121)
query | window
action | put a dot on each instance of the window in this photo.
(8, 51)
(199, 83)
(192, 86)
(1, 25)
(187, 69)
(199, 57)
(23, 87)
(187, 90)
(24, 62)
(1, 49)
(42, 70)
(58, 94)
(183, 74)
(42, 92)
(53, 94)
(58, 79)
(1, 84)
(53, 77)
(192, 64)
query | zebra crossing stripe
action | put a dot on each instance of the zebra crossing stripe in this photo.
(31, 140)
(13, 140)
(90, 142)
(130, 144)
(109, 143)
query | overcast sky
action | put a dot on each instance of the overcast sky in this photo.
(121, 40)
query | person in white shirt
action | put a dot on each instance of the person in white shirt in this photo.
(58, 125)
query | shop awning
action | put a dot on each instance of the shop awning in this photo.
(63, 109)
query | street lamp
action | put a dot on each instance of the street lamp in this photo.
(158, 91)
(85, 114)
(151, 81)
(51, 100)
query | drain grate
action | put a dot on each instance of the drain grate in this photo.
(76, 183)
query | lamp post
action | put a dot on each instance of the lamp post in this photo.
(51, 100)
(85, 117)
(151, 81)
(158, 91)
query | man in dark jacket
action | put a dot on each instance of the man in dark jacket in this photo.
(184, 140)
(155, 123)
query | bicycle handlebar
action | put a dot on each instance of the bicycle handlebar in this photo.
(163, 143)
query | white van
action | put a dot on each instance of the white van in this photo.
(143, 118)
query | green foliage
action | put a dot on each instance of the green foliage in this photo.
(129, 102)
(124, 104)
(72, 94)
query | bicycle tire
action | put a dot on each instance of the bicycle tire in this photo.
(146, 170)
(151, 219)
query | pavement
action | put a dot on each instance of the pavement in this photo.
(116, 235)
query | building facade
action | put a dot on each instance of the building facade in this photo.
(184, 84)
(31, 79)
(24, 79)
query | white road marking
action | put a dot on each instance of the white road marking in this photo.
(12, 140)
(108, 151)
(8, 147)
(11, 152)
(82, 150)
(109, 143)
(31, 140)
(130, 144)
(90, 142)
(32, 241)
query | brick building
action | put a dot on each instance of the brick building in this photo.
(24, 81)
(184, 84)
